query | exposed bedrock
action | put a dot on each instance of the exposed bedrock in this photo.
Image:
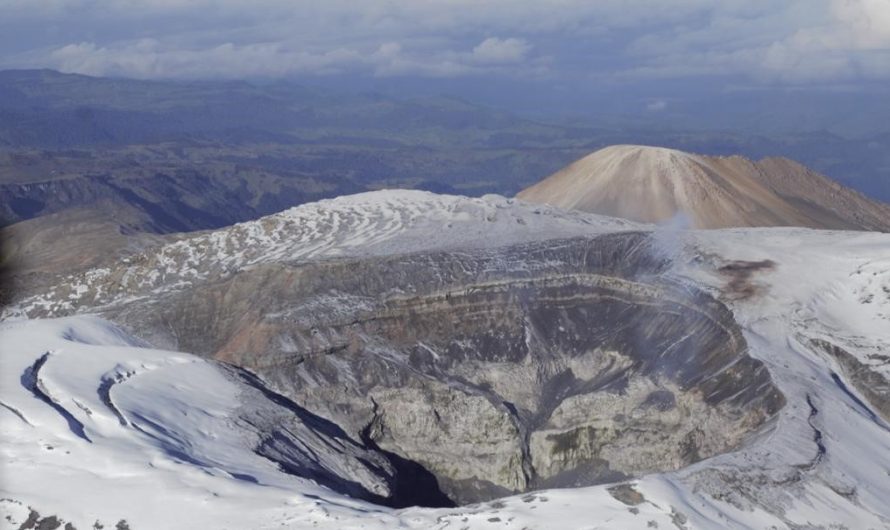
(870, 383)
(551, 364)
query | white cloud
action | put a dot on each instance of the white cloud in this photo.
(807, 41)
(862, 24)
(853, 42)
(501, 51)
(390, 60)
(148, 58)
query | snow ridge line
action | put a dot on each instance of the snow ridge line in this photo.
(31, 380)
(104, 391)
(17, 412)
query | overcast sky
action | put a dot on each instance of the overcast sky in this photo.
(767, 41)
(560, 57)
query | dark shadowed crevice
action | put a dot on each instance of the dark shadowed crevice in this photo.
(411, 483)
(861, 404)
(30, 379)
(414, 484)
(817, 436)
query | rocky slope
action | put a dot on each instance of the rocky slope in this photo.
(657, 185)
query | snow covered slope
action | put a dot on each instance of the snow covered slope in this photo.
(88, 413)
(795, 292)
(96, 427)
(367, 224)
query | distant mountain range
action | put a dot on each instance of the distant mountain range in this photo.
(177, 156)
(47, 109)
(658, 185)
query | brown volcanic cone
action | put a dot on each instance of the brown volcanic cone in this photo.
(654, 184)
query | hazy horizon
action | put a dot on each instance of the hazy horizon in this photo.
(762, 66)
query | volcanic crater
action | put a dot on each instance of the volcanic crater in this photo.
(487, 373)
